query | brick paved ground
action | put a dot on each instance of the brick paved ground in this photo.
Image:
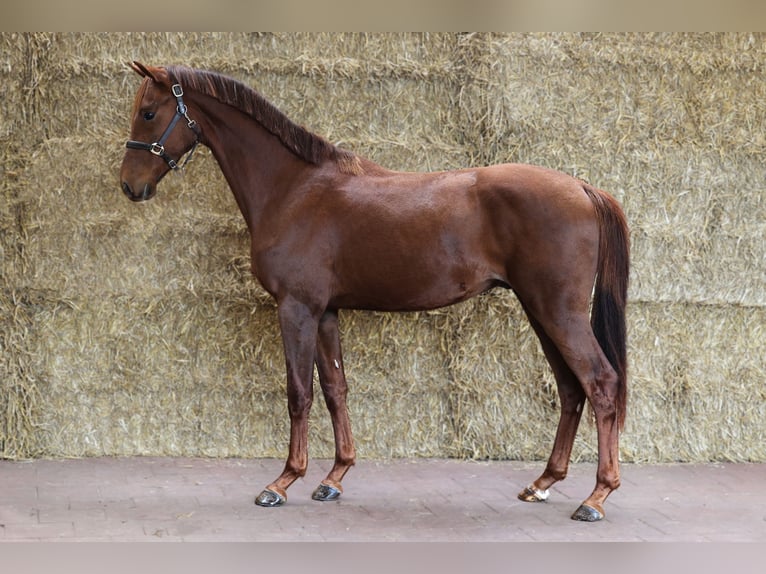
(158, 499)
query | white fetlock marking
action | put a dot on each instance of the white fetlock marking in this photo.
(540, 494)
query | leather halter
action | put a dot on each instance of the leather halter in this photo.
(158, 147)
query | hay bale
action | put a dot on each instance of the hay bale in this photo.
(696, 392)
(20, 397)
(292, 70)
(137, 375)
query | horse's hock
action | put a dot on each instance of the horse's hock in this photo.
(139, 331)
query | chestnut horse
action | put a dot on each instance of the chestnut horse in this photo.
(331, 230)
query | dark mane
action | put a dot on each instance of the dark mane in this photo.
(306, 145)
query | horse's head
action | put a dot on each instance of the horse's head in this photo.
(156, 145)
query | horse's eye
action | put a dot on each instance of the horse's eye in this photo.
(148, 116)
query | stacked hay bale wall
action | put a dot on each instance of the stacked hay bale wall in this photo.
(136, 329)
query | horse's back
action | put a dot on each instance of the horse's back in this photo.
(408, 240)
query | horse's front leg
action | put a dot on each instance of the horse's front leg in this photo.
(299, 334)
(333, 381)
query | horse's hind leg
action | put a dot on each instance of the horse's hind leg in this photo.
(578, 347)
(600, 381)
(333, 382)
(562, 321)
(572, 397)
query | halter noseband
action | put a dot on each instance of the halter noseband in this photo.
(158, 147)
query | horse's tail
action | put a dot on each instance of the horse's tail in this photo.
(611, 289)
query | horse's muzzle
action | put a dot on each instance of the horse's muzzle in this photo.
(146, 193)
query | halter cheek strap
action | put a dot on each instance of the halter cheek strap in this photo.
(158, 147)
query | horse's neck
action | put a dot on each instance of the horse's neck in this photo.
(253, 161)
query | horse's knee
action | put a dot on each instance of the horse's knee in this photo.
(335, 399)
(299, 402)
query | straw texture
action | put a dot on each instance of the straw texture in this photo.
(138, 330)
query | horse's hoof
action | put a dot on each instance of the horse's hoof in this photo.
(587, 514)
(532, 494)
(270, 499)
(325, 492)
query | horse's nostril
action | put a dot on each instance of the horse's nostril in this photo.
(147, 192)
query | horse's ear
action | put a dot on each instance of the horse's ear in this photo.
(140, 69)
(156, 74)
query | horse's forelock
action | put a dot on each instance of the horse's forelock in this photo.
(140, 95)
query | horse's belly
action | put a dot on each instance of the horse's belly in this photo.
(415, 287)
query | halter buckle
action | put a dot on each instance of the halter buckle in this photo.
(157, 149)
(177, 90)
